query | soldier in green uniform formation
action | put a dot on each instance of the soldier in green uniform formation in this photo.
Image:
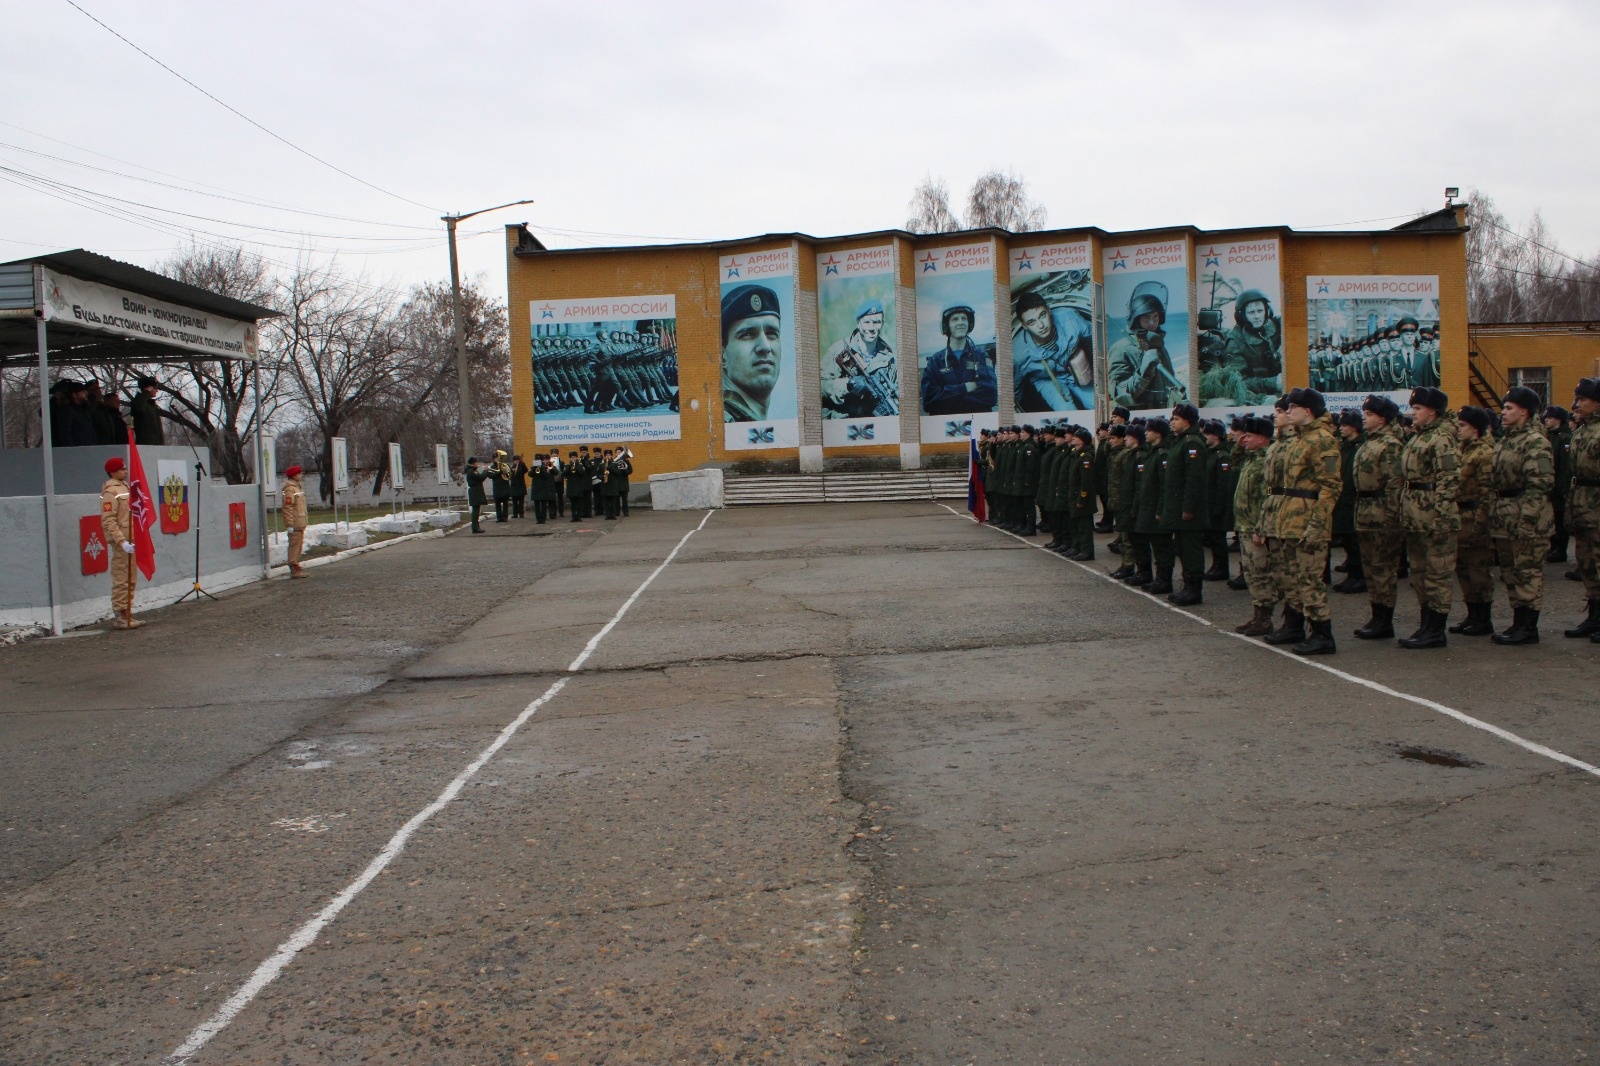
(1583, 501)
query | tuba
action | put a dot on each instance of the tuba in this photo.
(501, 468)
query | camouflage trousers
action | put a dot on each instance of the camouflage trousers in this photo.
(1256, 562)
(1588, 544)
(1433, 558)
(1299, 569)
(1380, 562)
(1475, 560)
(1522, 569)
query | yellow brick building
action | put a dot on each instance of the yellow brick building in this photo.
(1548, 357)
(1431, 246)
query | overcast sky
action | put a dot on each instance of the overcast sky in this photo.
(707, 120)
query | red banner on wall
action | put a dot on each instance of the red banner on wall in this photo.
(238, 531)
(92, 545)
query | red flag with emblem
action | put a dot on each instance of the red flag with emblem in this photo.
(238, 528)
(142, 507)
(92, 545)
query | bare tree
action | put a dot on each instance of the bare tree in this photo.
(340, 350)
(1000, 199)
(1520, 274)
(930, 208)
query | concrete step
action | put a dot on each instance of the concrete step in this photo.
(845, 487)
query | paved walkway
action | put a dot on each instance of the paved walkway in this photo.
(800, 784)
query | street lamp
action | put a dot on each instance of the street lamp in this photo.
(467, 432)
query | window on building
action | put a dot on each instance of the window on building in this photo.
(1536, 378)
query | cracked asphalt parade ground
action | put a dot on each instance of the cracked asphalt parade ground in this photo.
(854, 783)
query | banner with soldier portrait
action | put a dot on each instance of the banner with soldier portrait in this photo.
(957, 380)
(1147, 325)
(605, 368)
(1052, 331)
(855, 323)
(760, 394)
(1239, 323)
(1372, 334)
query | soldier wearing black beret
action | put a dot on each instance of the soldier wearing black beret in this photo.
(752, 351)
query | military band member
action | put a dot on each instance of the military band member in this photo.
(1524, 473)
(621, 470)
(577, 485)
(116, 525)
(500, 473)
(476, 499)
(543, 485)
(519, 485)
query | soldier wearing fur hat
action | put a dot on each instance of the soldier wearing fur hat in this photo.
(1475, 546)
(1375, 476)
(1249, 497)
(1583, 501)
(1524, 473)
(1185, 508)
(1431, 467)
(1303, 486)
(1135, 550)
(1344, 512)
(1147, 526)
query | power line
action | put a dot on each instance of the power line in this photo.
(242, 115)
(1536, 244)
(238, 199)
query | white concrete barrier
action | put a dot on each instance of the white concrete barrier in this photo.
(686, 490)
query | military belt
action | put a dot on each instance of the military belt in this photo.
(1421, 486)
(1509, 494)
(1299, 494)
(1587, 482)
(1373, 495)
(1467, 505)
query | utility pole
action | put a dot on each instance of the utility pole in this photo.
(468, 433)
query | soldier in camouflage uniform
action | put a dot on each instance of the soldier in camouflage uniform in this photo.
(1249, 497)
(1474, 541)
(1375, 474)
(1558, 422)
(1583, 501)
(1431, 467)
(1524, 474)
(1298, 516)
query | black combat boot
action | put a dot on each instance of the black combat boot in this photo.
(1162, 585)
(1524, 628)
(1187, 596)
(1141, 578)
(1557, 553)
(1260, 623)
(1292, 631)
(1589, 626)
(1219, 566)
(1320, 642)
(1122, 572)
(1237, 582)
(1430, 634)
(1353, 584)
(1115, 546)
(1477, 622)
(1380, 625)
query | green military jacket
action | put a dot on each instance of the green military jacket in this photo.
(1115, 466)
(1027, 475)
(1344, 511)
(1051, 494)
(1150, 462)
(542, 482)
(1250, 493)
(1375, 474)
(1475, 495)
(577, 482)
(1583, 494)
(1524, 474)
(1082, 482)
(1430, 465)
(1303, 484)
(1185, 482)
(1561, 442)
(1224, 479)
(1128, 488)
(476, 476)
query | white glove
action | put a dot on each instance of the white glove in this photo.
(127, 546)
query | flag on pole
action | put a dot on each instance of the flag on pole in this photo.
(976, 503)
(142, 508)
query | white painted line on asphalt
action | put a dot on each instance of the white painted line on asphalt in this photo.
(1376, 686)
(307, 934)
(594, 641)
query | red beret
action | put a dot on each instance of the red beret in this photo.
(114, 464)
(293, 471)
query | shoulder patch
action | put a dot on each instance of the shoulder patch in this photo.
(106, 505)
